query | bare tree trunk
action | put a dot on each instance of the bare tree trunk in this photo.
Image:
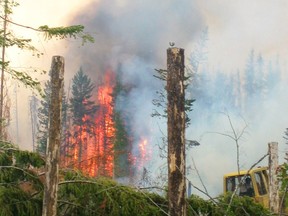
(176, 132)
(53, 148)
(273, 181)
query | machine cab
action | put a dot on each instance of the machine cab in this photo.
(253, 184)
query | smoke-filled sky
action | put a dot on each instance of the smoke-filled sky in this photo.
(234, 27)
(131, 37)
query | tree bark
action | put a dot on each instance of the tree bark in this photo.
(273, 180)
(176, 132)
(53, 147)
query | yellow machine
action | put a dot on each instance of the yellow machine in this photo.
(253, 184)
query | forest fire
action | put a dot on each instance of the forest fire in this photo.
(143, 153)
(105, 127)
(90, 145)
(101, 143)
(142, 148)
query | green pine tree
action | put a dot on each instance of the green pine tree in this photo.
(81, 104)
(82, 109)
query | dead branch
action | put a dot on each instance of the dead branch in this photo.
(198, 174)
(235, 137)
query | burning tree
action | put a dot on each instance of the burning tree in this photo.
(90, 144)
(83, 109)
(95, 135)
(105, 126)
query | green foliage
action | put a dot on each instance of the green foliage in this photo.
(241, 205)
(25, 159)
(121, 147)
(25, 79)
(8, 39)
(283, 178)
(19, 185)
(283, 175)
(197, 205)
(21, 193)
(80, 103)
(16, 202)
(105, 197)
(82, 109)
(161, 101)
(73, 31)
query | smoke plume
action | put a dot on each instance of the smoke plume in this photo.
(131, 38)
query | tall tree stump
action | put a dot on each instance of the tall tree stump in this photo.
(176, 131)
(53, 147)
(273, 180)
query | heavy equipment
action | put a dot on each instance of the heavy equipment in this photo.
(253, 183)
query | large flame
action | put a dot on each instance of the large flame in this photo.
(91, 147)
(105, 127)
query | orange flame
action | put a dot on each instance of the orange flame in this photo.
(105, 126)
(143, 153)
(92, 148)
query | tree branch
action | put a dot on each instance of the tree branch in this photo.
(18, 168)
(20, 25)
(154, 203)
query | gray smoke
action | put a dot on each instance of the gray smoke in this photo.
(131, 37)
(134, 30)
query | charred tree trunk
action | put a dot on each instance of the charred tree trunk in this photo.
(273, 180)
(176, 132)
(53, 148)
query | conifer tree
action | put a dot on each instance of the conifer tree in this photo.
(273, 75)
(122, 148)
(43, 119)
(250, 75)
(81, 104)
(82, 109)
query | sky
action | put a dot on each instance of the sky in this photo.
(137, 34)
(238, 26)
